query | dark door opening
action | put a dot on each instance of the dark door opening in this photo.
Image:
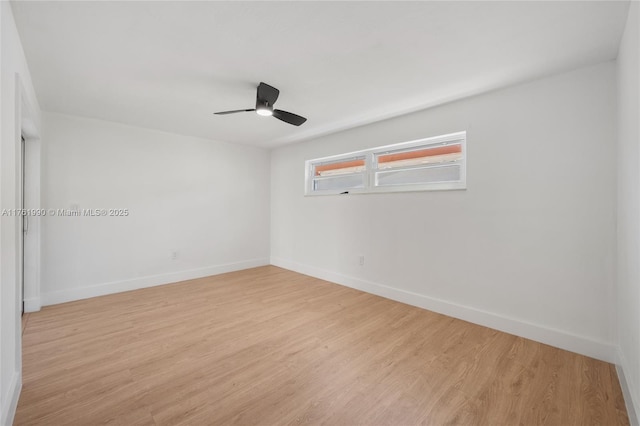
(24, 223)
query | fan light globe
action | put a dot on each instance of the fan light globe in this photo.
(264, 112)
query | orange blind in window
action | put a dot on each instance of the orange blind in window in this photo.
(429, 152)
(338, 166)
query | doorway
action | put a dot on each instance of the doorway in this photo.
(24, 219)
(28, 147)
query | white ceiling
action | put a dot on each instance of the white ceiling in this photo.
(170, 65)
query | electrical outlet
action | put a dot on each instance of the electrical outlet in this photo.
(361, 260)
(174, 255)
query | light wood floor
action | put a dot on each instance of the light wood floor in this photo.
(269, 346)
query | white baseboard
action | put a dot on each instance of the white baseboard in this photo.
(32, 305)
(558, 338)
(68, 295)
(633, 405)
(8, 410)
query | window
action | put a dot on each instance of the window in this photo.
(437, 163)
(339, 174)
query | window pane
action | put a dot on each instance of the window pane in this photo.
(339, 167)
(344, 182)
(419, 175)
(419, 156)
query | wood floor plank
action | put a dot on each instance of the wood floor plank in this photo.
(270, 346)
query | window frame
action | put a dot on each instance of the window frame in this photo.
(310, 177)
(371, 167)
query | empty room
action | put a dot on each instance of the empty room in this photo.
(319, 212)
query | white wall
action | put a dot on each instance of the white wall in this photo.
(207, 200)
(18, 104)
(628, 283)
(527, 248)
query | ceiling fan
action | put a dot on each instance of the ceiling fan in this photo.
(265, 98)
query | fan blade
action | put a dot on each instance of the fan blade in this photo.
(288, 117)
(267, 94)
(233, 112)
